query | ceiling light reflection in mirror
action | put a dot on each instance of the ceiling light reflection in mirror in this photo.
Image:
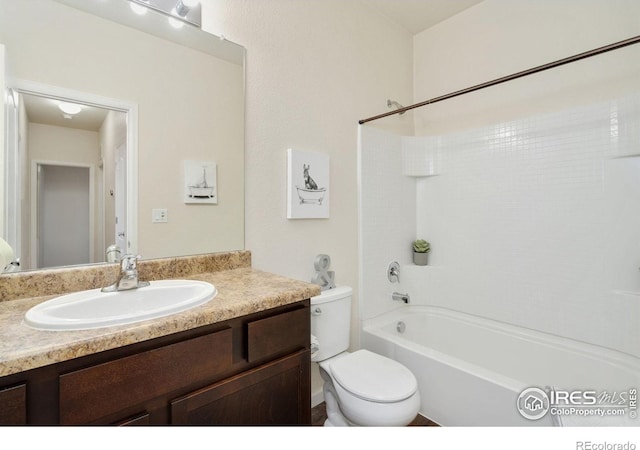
(179, 11)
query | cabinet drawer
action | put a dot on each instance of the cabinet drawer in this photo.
(89, 394)
(280, 334)
(276, 393)
(13, 405)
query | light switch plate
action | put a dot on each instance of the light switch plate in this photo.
(159, 216)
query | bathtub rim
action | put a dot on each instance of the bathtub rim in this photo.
(614, 357)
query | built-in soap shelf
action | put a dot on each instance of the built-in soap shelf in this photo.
(421, 157)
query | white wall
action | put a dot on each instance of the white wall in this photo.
(314, 68)
(496, 38)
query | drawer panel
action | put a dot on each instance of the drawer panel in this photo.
(278, 335)
(13, 405)
(87, 395)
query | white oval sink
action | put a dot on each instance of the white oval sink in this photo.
(95, 309)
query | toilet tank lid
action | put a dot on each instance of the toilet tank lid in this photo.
(330, 295)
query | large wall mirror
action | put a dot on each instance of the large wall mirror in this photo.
(153, 163)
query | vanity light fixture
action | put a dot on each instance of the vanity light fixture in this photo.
(180, 12)
(184, 6)
(177, 11)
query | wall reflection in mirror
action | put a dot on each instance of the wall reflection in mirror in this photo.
(82, 187)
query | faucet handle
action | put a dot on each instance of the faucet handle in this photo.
(129, 261)
(393, 272)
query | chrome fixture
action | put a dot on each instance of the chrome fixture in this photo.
(523, 73)
(393, 272)
(392, 103)
(184, 6)
(178, 11)
(113, 253)
(128, 277)
(401, 327)
(397, 296)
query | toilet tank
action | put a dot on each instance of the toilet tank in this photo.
(331, 321)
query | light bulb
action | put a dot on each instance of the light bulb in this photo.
(175, 23)
(69, 108)
(138, 8)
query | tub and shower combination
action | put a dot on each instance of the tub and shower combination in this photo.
(509, 205)
(472, 370)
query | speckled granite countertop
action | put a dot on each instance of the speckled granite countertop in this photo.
(241, 291)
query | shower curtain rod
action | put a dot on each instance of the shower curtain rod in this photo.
(524, 73)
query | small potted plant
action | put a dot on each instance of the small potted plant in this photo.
(420, 251)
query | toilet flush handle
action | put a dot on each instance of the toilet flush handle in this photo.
(316, 311)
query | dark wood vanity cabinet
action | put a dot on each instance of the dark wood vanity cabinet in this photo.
(253, 370)
(13, 405)
(270, 394)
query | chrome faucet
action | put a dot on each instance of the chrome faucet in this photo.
(128, 277)
(397, 296)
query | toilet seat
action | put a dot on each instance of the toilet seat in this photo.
(373, 377)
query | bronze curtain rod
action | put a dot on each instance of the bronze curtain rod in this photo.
(524, 73)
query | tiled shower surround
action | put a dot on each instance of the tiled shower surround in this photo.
(534, 222)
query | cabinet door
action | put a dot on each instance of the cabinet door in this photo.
(277, 393)
(90, 394)
(13, 405)
(278, 335)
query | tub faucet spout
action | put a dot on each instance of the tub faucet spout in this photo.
(128, 276)
(397, 296)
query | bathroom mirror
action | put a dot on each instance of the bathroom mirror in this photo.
(170, 98)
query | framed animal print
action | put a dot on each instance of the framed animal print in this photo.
(307, 185)
(200, 182)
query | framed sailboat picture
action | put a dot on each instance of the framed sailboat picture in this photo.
(200, 182)
(307, 185)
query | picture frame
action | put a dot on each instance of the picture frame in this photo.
(200, 182)
(308, 185)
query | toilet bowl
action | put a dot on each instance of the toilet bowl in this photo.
(369, 390)
(360, 388)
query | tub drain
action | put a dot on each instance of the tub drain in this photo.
(400, 326)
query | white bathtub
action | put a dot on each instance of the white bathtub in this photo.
(471, 370)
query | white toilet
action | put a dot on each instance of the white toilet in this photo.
(360, 388)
